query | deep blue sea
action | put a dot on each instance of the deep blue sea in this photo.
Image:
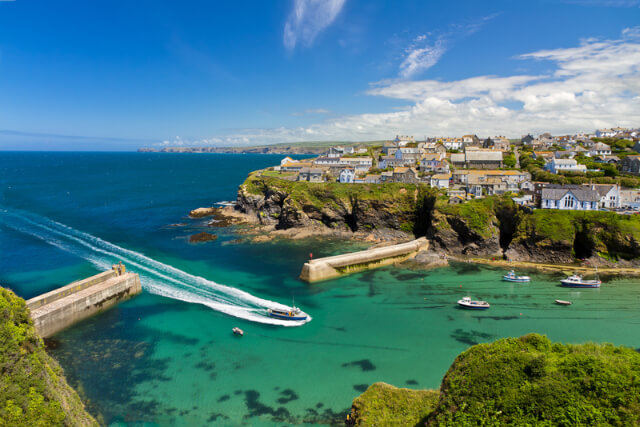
(168, 357)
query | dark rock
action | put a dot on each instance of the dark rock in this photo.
(202, 237)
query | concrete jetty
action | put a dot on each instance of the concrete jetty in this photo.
(62, 307)
(336, 266)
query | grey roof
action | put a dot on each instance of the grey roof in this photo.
(584, 194)
(484, 156)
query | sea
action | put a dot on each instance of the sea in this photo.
(168, 357)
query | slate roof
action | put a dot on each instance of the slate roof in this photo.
(581, 194)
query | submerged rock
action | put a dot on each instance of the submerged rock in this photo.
(202, 237)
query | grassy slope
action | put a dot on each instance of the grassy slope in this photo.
(520, 381)
(33, 390)
(385, 405)
(322, 193)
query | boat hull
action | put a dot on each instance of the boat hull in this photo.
(579, 285)
(473, 307)
(517, 280)
(286, 316)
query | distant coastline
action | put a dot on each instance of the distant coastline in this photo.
(311, 148)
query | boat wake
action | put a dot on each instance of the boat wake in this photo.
(156, 277)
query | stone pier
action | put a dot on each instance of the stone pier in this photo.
(336, 266)
(62, 307)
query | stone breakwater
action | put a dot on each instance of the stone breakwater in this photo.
(62, 307)
(336, 266)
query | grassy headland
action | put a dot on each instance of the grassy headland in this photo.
(492, 226)
(519, 381)
(33, 390)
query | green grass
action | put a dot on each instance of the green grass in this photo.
(518, 381)
(385, 405)
(33, 390)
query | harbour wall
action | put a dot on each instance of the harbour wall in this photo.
(53, 311)
(336, 266)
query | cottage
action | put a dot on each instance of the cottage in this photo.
(440, 180)
(294, 167)
(470, 140)
(405, 175)
(600, 149)
(564, 165)
(347, 176)
(311, 175)
(475, 158)
(339, 151)
(569, 198)
(631, 165)
(372, 179)
(327, 161)
(527, 139)
(287, 160)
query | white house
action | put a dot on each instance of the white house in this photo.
(287, 160)
(440, 180)
(339, 151)
(564, 165)
(347, 175)
(569, 198)
(609, 195)
(600, 149)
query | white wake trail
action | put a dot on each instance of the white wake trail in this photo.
(156, 277)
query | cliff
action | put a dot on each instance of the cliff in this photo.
(493, 226)
(518, 381)
(33, 390)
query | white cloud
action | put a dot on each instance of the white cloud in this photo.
(419, 59)
(307, 19)
(425, 50)
(596, 84)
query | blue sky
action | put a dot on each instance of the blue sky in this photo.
(119, 75)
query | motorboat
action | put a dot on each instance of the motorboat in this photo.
(576, 281)
(293, 313)
(238, 331)
(468, 303)
(512, 277)
(562, 302)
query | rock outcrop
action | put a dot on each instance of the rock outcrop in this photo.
(488, 227)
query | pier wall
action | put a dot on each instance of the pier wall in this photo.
(62, 307)
(336, 266)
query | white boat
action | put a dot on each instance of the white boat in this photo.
(238, 331)
(470, 304)
(512, 277)
(576, 281)
(562, 302)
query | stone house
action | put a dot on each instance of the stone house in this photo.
(477, 159)
(631, 165)
(311, 175)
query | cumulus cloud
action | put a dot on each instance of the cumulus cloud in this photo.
(307, 19)
(593, 85)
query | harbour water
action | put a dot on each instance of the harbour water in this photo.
(168, 356)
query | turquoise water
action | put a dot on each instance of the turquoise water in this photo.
(168, 357)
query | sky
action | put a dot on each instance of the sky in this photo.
(118, 75)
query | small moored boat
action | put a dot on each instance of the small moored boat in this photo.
(576, 281)
(467, 302)
(563, 302)
(238, 331)
(512, 277)
(293, 313)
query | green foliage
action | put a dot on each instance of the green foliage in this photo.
(33, 390)
(518, 381)
(509, 160)
(530, 381)
(386, 405)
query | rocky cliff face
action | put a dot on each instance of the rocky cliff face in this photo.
(493, 226)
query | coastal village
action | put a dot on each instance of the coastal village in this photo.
(585, 171)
